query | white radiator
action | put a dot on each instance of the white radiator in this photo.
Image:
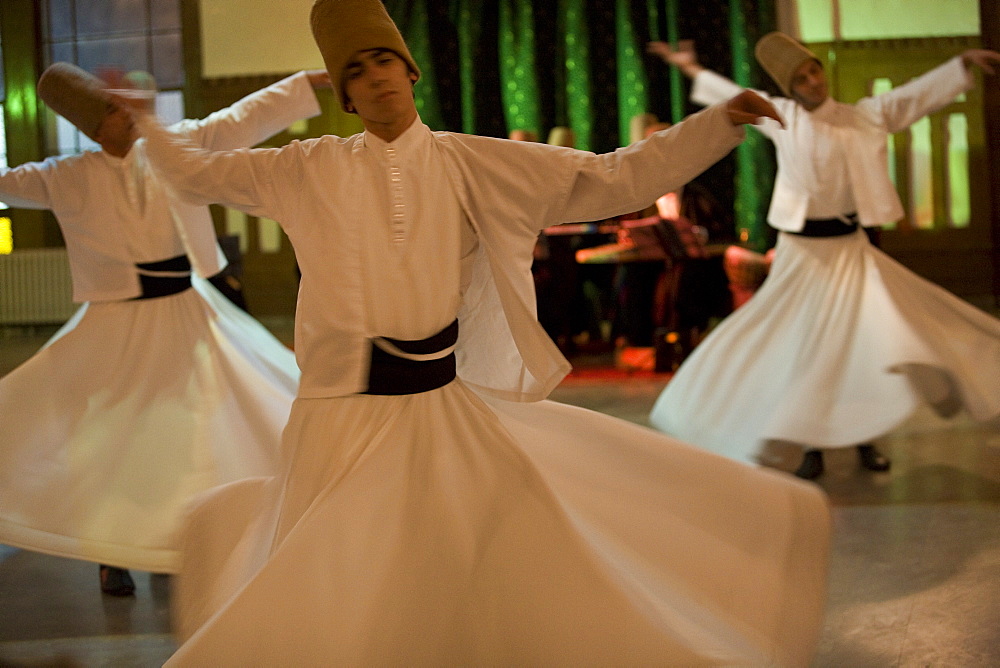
(35, 287)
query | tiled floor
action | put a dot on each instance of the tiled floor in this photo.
(914, 576)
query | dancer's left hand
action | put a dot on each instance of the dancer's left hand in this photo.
(986, 60)
(748, 108)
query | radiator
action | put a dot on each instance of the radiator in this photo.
(35, 287)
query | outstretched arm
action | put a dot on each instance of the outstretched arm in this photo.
(632, 177)
(749, 108)
(745, 107)
(28, 186)
(259, 115)
(683, 57)
(243, 179)
(900, 107)
(986, 60)
(709, 87)
(319, 79)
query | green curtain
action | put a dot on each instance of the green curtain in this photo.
(415, 25)
(633, 85)
(519, 85)
(490, 66)
(754, 157)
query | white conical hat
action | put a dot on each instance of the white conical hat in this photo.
(780, 56)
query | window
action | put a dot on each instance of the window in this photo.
(123, 34)
(949, 141)
(959, 195)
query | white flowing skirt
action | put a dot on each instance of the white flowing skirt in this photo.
(443, 529)
(839, 346)
(129, 411)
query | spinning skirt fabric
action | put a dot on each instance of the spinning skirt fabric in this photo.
(838, 347)
(127, 413)
(443, 529)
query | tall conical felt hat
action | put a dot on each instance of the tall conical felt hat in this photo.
(341, 28)
(780, 56)
(76, 95)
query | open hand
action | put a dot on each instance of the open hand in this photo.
(682, 56)
(986, 60)
(748, 108)
(319, 78)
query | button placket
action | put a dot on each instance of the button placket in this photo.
(397, 205)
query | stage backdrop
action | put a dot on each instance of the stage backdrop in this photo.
(490, 66)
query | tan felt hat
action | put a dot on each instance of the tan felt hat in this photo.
(780, 56)
(76, 95)
(341, 28)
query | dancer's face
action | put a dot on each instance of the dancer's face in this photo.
(117, 132)
(809, 86)
(378, 86)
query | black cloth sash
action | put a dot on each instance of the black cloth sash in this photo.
(154, 286)
(829, 227)
(392, 375)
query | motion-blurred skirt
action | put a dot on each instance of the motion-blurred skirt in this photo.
(445, 529)
(839, 346)
(127, 413)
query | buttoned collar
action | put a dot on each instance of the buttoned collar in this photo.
(412, 138)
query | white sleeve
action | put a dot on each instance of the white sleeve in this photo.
(256, 117)
(27, 186)
(633, 177)
(243, 179)
(712, 88)
(901, 107)
(708, 88)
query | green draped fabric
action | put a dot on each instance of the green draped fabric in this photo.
(491, 66)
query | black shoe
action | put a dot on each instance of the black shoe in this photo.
(116, 581)
(811, 466)
(872, 459)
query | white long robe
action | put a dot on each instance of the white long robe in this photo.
(134, 407)
(836, 155)
(456, 526)
(841, 343)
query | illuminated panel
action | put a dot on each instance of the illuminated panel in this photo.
(6, 236)
(921, 176)
(959, 198)
(268, 235)
(879, 86)
(236, 225)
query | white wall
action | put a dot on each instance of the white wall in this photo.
(822, 20)
(248, 37)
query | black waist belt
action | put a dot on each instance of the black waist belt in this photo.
(829, 227)
(430, 363)
(164, 277)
